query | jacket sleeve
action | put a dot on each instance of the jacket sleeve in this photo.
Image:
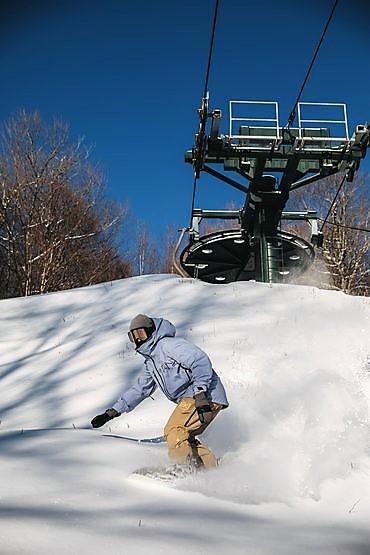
(196, 360)
(140, 390)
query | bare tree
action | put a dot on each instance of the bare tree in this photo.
(151, 254)
(168, 244)
(146, 259)
(56, 229)
(345, 252)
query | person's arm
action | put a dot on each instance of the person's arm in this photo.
(196, 360)
(142, 388)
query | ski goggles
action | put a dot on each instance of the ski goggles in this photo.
(139, 335)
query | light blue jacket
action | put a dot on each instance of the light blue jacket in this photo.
(179, 368)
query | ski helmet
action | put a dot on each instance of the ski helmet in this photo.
(140, 330)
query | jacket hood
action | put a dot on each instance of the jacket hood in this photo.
(163, 328)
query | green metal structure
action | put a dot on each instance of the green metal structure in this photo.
(272, 161)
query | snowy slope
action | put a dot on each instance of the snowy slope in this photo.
(294, 442)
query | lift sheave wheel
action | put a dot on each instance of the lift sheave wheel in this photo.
(227, 256)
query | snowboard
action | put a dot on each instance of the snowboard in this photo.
(166, 475)
(150, 440)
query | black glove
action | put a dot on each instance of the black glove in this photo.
(103, 418)
(203, 407)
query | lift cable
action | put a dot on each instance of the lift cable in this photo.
(293, 111)
(347, 226)
(211, 49)
(334, 200)
(203, 114)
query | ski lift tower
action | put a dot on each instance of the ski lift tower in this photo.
(271, 161)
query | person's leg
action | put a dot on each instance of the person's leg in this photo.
(177, 433)
(180, 431)
(204, 454)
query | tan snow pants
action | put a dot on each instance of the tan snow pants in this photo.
(180, 431)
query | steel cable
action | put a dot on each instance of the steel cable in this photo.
(347, 226)
(334, 200)
(204, 116)
(293, 111)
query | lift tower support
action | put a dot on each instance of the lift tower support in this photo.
(273, 161)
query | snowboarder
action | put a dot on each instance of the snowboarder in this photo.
(185, 375)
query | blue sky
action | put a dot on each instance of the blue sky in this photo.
(129, 76)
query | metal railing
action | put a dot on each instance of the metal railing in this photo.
(272, 134)
(342, 122)
(247, 119)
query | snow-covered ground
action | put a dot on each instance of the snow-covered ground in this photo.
(294, 443)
